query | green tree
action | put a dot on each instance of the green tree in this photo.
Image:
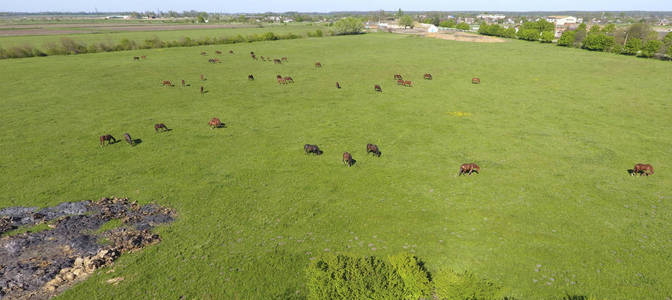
(448, 24)
(669, 50)
(348, 25)
(598, 42)
(547, 36)
(641, 31)
(651, 47)
(580, 35)
(510, 33)
(529, 34)
(399, 14)
(463, 26)
(632, 46)
(609, 29)
(567, 38)
(667, 40)
(406, 21)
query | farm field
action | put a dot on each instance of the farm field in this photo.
(113, 33)
(553, 212)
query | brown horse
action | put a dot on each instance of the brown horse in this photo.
(143, 57)
(371, 148)
(215, 123)
(347, 159)
(398, 77)
(400, 82)
(308, 148)
(218, 52)
(377, 88)
(230, 51)
(204, 53)
(251, 52)
(167, 83)
(277, 61)
(202, 91)
(469, 168)
(289, 79)
(284, 59)
(263, 58)
(318, 65)
(642, 169)
(254, 57)
(250, 77)
(128, 139)
(407, 83)
(428, 76)
(282, 80)
(338, 85)
(109, 138)
(136, 57)
(475, 80)
(160, 126)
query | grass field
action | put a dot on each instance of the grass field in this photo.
(553, 129)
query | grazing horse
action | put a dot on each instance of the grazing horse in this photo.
(211, 61)
(160, 126)
(230, 51)
(251, 52)
(167, 83)
(128, 139)
(347, 159)
(143, 57)
(289, 79)
(318, 65)
(183, 83)
(371, 148)
(250, 77)
(408, 83)
(428, 76)
(312, 149)
(204, 53)
(398, 77)
(277, 61)
(218, 52)
(281, 80)
(642, 169)
(469, 168)
(378, 88)
(338, 85)
(254, 57)
(202, 91)
(109, 138)
(202, 77)
(136, 57)
(284, 59)
(215, 123)
(400, 82)
(475, 80)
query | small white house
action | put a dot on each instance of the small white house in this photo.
(433, 29)
(561, 20)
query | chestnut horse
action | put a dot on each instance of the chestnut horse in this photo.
(282, 80)
(183, 83)
(475, 80)
(109, 138)
(400, 82)
(215, 123)
(218, 52)
(128, 139)
(371, 148)
(642, 169)
(347, 159)
(284, 59)
(312, 149)
(143, 57)
(167, 83)
(469, 168)
(160, 126)
(202, 91)
(318, 65)
(428, 76)
(408, 83)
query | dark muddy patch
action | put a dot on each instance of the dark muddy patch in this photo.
(38, 265)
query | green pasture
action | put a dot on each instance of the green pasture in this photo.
(554, 130)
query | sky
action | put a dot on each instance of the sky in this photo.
(253, 6)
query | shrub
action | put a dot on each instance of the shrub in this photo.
(3, 53)
(153, 43)
(20, 52)
(566, 39)
(598, 42)
(126, 44)
(348, 25)
(510, 33)
(348, 277)
(72, 47)
(269, 36)
(547, 36)
(650, 48)
(54, 49)
(669, 51)
(633, 46)
(448, 24)
(528, 34)
(463, 26)
(452, 285)
(38, 52)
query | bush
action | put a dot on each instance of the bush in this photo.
(452, 285)
(567, 39)
(72, 47)
(510, 33)
(20, 52)
(669, 51)
(126, 44)
(154, 43)
(598, 42)
(3, 53)
(547, 36)
(463, 26)
(529, 34)
(651, 48)
(348, 277)
(348, 25)
(448, 24)
(633, 46)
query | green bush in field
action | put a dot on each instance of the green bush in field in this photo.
(348, 277)
(463, 26)
(348, 25)
(547, 37)
(633, 46)
(598, 42)
(567, 38)
(528, 34)
(451, 285)
(650, 48)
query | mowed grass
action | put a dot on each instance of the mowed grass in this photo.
(554, 130)
(108, 35)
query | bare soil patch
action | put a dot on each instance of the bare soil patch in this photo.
(453, 36)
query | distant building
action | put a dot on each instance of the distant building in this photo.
(118, 17)
(491, 18)
(433, 29)
(561, 20)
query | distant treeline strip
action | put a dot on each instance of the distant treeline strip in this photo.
(68, 46)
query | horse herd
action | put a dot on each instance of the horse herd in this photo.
(465, 169)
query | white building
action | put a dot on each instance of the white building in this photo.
(561, 20)
(491, 18)
(433, 29)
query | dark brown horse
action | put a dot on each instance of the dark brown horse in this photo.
(215, 123)
(475, 80)
(642, 169)
(250, 77)
(218, 52)
(338, 85)
(109, 138)
(136, 57)
(251, 52)
(160, 126)
(167, 83)
(371, 148)
(318, 65)
(378, 88)
(128, 139)
(400, 82)
(398, 77)
(289, 79)
(308, 148)
(254, 57)
(230, 51)
(277, 61)
(202, 91)
(347, 159)
(469, 168)
(428, 76)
